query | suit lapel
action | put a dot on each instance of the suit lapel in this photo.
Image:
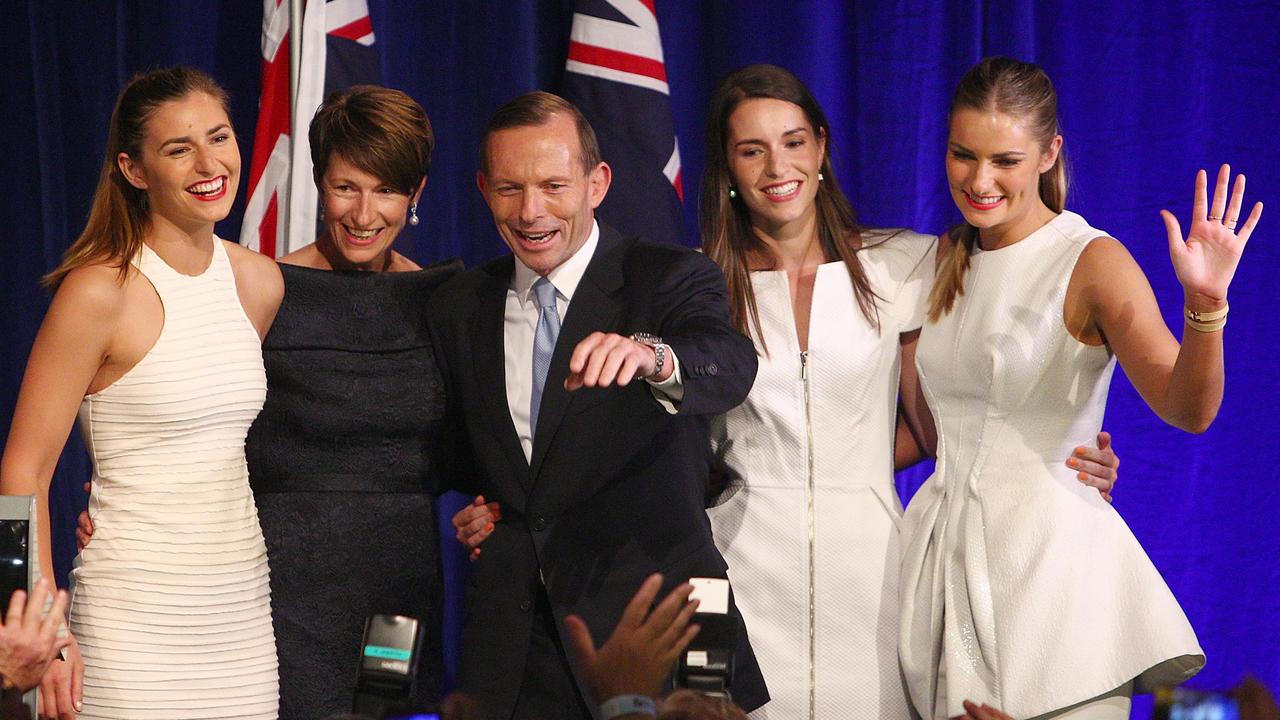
(595, 307)
(488, 348)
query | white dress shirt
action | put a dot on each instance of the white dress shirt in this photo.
(520, 321)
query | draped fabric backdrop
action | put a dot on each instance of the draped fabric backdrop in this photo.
(1149, 92)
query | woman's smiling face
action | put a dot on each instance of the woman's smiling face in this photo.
(774, 161)
(993, 170)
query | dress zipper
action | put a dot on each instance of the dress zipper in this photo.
(809, 491)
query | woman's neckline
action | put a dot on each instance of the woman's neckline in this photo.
(212, 257)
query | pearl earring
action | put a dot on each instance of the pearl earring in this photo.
(733, 193)
(820, 178)
(413, 214)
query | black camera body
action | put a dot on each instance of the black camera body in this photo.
(388, 668)
(706, 666)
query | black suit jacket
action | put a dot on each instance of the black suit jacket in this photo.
(615, 488)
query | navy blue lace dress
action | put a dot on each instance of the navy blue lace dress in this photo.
(341, 469)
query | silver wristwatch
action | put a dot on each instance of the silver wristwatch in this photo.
(659, 351)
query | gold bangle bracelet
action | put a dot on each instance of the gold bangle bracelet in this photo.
(1206, 322)
(1206, 317)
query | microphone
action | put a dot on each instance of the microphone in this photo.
(706, 666)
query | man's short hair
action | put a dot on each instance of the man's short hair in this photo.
(537, 108)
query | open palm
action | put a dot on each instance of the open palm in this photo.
(1206, 261)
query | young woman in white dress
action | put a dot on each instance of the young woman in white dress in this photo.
(807, 518)
(1005, 556)
(153, 339)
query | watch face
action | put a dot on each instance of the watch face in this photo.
(646, 338)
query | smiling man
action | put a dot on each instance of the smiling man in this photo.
(582, 372)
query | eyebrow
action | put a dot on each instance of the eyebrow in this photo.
(1005, 154)
(187, 138)
(792, 131)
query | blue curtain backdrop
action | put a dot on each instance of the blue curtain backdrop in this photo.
(1149, 92)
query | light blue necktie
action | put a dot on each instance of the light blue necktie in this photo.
(544, 344)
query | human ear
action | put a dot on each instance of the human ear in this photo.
(1051, 154)
(131, 171)
(600, 180)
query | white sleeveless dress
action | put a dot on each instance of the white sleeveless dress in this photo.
(172, 606)
(1021, 587)
(809, 525)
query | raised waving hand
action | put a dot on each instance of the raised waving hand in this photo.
(1206, 260)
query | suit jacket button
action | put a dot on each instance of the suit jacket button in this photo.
(525, 606)
(539, 523)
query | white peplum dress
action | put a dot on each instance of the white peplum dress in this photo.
(171, 605)
(1021, 587)
(809, 523)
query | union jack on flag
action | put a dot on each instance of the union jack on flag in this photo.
(616, 75)
(337, 51)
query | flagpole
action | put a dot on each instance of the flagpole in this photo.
(295, 68)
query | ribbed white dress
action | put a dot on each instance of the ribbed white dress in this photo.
(172, 606)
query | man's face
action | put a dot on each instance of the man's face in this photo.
(542, 200)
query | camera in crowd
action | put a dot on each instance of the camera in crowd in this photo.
(706, 666)
(389, 656)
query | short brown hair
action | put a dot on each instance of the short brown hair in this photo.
(537, 108)
(381, 131)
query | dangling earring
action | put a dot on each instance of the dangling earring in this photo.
(820, 178)
(413, 214)
(733, 192)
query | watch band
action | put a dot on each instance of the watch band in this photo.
(659, 351)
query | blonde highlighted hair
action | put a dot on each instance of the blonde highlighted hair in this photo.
(1022, 90)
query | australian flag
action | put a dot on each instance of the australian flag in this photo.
(337, 52)
(616, 75)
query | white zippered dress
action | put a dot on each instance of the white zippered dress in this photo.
(809, 523)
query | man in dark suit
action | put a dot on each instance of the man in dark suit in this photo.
(582, 372)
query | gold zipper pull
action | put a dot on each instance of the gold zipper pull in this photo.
(804, 365)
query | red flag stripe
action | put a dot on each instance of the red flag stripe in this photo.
(267, 228)
(617, 60)
(273, 113)
(354, 30)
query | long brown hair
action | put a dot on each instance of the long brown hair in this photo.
(727, 235)
(119, 216)
(1022, 90)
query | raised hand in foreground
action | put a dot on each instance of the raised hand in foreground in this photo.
(638, 656)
